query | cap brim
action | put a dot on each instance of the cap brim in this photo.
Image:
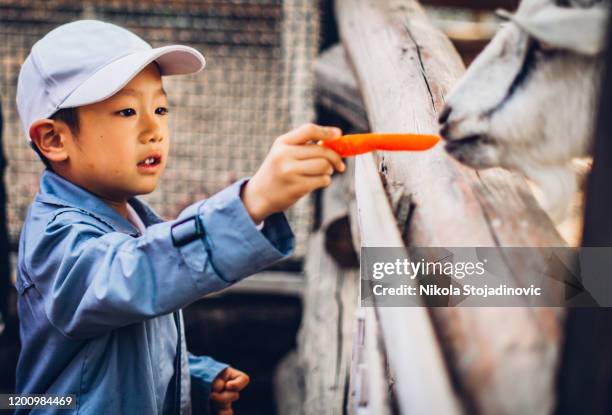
(173, 60)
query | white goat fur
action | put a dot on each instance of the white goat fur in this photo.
(535, 127)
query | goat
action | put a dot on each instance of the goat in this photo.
(528, 101)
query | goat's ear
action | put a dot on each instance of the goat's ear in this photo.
(579, 30)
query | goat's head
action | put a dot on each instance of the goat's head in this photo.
(527, 102)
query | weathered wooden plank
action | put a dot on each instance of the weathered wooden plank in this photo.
(288, 385)
(425, 363)
(412, 350)
(330, 298)
(404, 68)
(324, 345)
(321, 361)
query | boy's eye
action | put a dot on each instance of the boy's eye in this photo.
(161, 111)
(128, 112)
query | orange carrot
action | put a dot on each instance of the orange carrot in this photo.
(353, 144)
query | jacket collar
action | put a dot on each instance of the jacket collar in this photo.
(55, 190)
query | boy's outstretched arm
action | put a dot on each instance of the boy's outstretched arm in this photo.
(90, 278)
(87, 278)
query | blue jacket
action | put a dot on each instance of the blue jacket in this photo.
(99, 305)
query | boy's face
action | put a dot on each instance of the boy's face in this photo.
(122, 145)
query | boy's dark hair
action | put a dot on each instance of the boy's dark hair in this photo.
(69, 116)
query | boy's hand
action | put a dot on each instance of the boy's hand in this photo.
(226, 389)
(293, 167)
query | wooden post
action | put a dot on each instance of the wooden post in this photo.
(371, 385)
(325, 339)
(422, 382)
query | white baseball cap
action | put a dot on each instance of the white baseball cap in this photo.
(87, 61)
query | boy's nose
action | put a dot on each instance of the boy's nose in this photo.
(153, 138)
(152, 131)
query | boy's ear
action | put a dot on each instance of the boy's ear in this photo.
(49, 136)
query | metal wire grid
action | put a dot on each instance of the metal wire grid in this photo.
(257, 85)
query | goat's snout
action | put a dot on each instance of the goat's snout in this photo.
(444, 127)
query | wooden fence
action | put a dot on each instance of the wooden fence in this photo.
(391, 72)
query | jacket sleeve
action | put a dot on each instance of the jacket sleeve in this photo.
(203, 371)
(92, 281)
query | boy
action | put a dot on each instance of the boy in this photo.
(101, 279)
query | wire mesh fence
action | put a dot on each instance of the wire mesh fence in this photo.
(257, 85)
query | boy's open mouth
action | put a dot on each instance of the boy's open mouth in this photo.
(150, 161)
